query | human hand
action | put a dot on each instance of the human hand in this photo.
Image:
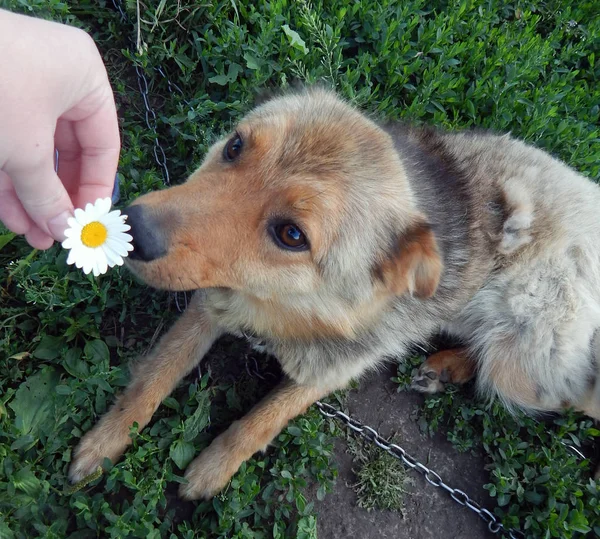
(54, 94)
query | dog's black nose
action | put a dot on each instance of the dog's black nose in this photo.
(148, 242)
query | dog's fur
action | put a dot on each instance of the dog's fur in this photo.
(412, 232)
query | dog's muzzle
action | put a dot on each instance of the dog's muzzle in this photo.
(148, 241)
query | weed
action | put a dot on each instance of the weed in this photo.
(381, 480)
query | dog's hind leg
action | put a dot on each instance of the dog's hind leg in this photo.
(152, 379)
(215, 466)
(591, 403)
(446, 367)
(591, 408)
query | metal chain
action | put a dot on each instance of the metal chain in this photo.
(459, 496)
(152, 124)
(150, 115)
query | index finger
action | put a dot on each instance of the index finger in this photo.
(98, 137)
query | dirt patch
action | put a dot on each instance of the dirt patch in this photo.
(430, 513)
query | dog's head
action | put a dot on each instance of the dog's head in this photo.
(306, 204)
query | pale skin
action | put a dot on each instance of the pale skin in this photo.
(54, 95)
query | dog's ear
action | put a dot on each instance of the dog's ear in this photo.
(414, 265)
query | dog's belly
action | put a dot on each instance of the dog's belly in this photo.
(531, 328)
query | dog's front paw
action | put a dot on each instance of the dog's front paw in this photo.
(100, 443)
(427, 380)
(209, 473)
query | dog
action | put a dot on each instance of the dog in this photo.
(339, 241)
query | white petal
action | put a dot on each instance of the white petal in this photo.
(118, 247)
(121, 237)
(112, 258)
(103, 206)
(81, 217)
(101, 261)
(118, 228)
(86, 256)
(75, 255)
(88, 265)
(90, 211)
(72, 222)
(72, 256)
(111, 219)
(75, 242)
(70, 232)
(68, 243)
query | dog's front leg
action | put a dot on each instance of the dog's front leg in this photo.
(213, 469)
(152, 379)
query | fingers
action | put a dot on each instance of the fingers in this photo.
(38, 239)
(40, 192)
(75, 105)
(69, 156)
(15, 218)
(88, 157)
(12, 214)
(96, 134)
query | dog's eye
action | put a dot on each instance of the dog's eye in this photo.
(289, 236)
(233, 148)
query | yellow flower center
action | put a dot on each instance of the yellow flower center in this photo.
(94, 234)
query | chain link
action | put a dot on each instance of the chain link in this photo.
(149, 113)
(433, 478)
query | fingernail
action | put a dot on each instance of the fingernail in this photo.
(58, 225)
(116, 194)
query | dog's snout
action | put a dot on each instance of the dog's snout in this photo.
(148, 241)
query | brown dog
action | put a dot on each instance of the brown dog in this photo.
(339, 242)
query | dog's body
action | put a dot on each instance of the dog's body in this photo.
(339, 242)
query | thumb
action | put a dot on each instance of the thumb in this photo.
(43, 196)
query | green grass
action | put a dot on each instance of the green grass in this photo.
(382, 481)
(529, 67)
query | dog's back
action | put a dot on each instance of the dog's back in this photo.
(533, 325)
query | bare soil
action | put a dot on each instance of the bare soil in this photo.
(430, 513)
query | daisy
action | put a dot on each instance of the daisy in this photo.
(96, 238)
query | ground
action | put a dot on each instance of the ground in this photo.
(530, 67)
(429, 513)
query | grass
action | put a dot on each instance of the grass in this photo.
(531, 67)
(382, 482)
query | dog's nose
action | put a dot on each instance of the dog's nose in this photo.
(148, 242)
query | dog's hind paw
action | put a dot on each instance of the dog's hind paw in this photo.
(452, 366)
(427, 380)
